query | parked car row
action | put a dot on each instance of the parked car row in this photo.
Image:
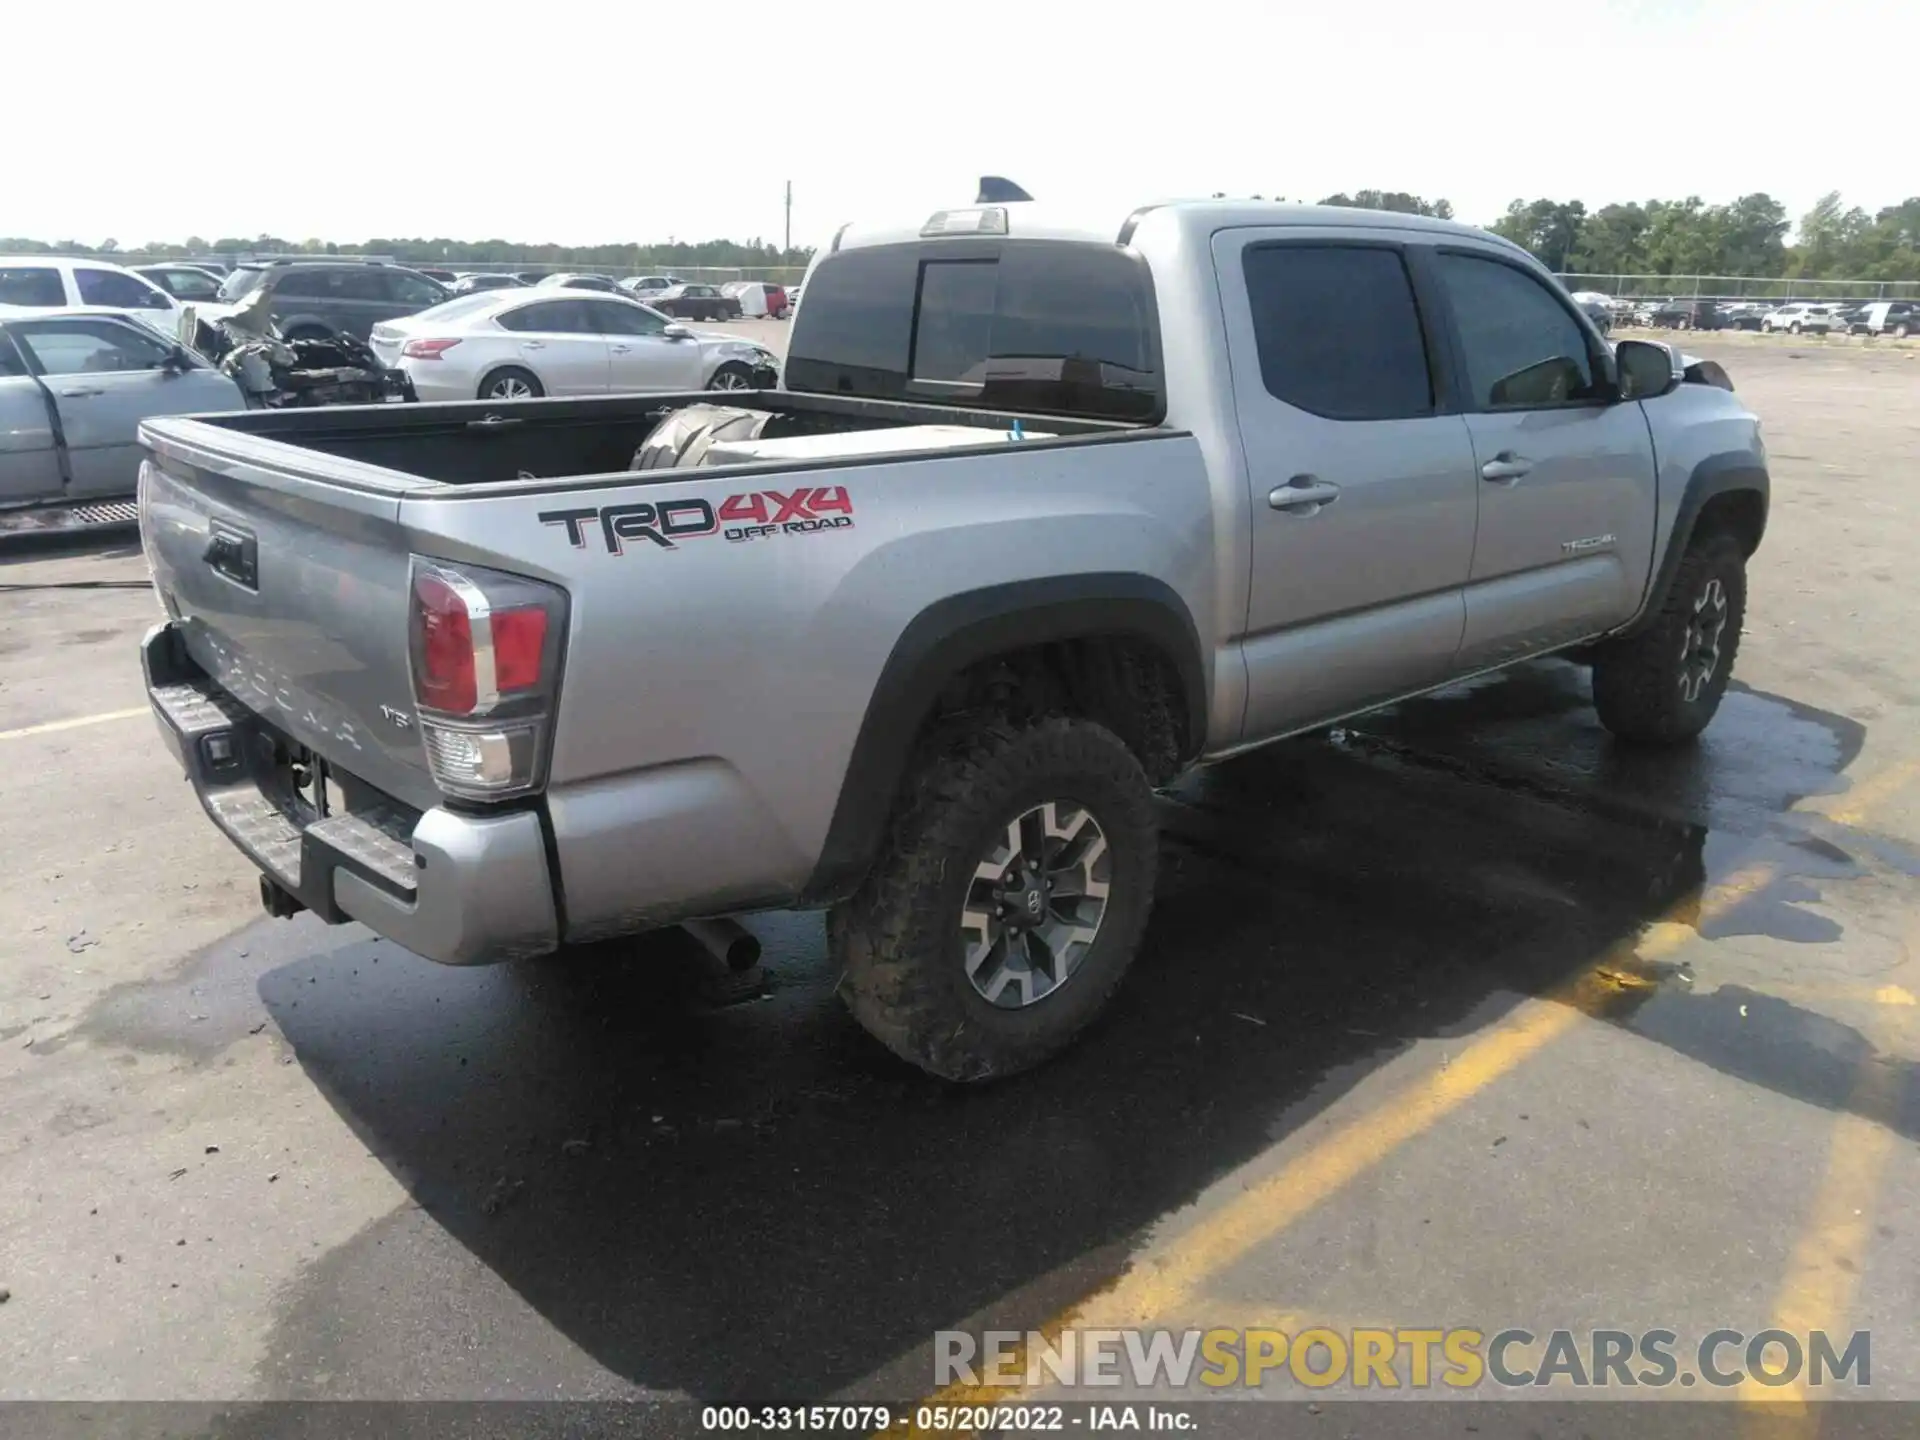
(89, 349)
(1894, 318)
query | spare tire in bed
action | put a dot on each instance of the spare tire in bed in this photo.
(683, 438)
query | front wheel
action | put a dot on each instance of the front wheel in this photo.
(731, 377)
(1010, 899)
(1663, 685)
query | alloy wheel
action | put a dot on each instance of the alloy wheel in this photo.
(509, 388)
(1034, 905)
(1700, 646)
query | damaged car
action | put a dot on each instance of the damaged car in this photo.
(275, 372)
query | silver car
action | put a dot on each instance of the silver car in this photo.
(75, 383)
(518, 344)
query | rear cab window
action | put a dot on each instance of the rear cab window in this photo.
(1044, 326)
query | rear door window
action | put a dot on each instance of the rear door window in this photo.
(304, 284)
(1338, 331)
(550, 317)
(360, 285)
(31, 285)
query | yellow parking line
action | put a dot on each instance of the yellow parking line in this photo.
(55, 725)
(1823, 1272)
(1871, 794)
(1162, 1283)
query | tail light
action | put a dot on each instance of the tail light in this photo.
(427, 349)
(486, 649)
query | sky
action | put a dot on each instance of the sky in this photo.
(578, 124)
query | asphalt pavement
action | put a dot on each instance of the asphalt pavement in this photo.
(1458, 1016)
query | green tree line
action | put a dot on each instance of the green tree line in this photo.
(1748, 236)
(624, 257)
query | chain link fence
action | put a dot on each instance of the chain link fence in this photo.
(1742, 287)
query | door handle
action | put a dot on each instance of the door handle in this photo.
(621, 349)
(533, 344)
(1505, 468)
(1303, 494)
(80, 392)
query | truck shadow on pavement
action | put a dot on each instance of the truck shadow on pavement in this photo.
(758, 1202)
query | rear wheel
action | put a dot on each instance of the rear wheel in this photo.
(1663, 685)
(1794, 328)
(1900, 332)
(731, 377)
(510, 382)
(1009, 901)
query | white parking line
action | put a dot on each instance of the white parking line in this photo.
(52, 725)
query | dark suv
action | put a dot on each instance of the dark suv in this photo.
(313, 299)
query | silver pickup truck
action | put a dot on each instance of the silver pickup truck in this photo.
(1047, 512)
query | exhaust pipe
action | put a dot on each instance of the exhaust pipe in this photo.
(277, 900)
(727, 940)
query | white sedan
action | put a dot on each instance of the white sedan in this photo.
(519, 344)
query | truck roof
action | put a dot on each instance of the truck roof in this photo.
(1038, 219)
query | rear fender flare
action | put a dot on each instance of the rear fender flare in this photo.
(1722, 474)
(953, 634)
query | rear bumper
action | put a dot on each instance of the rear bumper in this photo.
(463, 889)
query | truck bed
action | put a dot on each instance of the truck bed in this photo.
(491, 442)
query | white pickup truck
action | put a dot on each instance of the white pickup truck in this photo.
(1050, 509)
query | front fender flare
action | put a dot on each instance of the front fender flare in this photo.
(1734, 470)
(960, 631)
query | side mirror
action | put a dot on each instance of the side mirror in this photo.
(677, 332)
(1647, 370)
(177, 361)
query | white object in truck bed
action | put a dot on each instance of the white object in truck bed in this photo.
(799, 448)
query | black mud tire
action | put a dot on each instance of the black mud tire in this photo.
(897, 943)
(1637, 681)
(309, 332)
(506, 374)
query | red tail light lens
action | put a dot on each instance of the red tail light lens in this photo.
(519, 646)
(427, 349)
(446, 680)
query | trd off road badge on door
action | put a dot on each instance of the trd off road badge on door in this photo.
(808, 510)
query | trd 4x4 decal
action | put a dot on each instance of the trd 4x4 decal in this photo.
(805, 511)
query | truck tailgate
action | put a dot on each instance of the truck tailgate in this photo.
(293, 595)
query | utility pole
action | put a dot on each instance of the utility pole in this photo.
(789, 244)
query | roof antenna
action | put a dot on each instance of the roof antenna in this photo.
(997, 189)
